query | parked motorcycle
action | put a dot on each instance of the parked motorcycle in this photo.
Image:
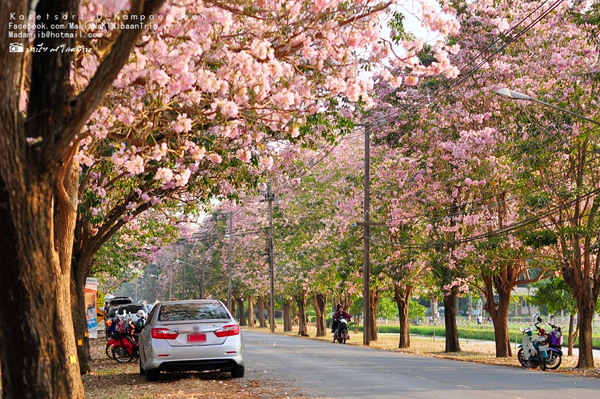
(555, 341)
(125, 350)
(117, 329)
(342, 331)
(123, 346)
(533, 351)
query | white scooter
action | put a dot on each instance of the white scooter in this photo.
(533, 351)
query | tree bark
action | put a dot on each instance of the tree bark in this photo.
(38, 351)
(320, 304)
(374, 300)
(402, 298)
(64, 231)
(301, 302)
(250, 301)
(261, 311)
(585, 287)
(80, 270)
(452, 343)
(287, 315)
(584, 326)
(501, 334)
(233, 305)
(37, 205)
(267, 306)
(241, 311)
(499, 311)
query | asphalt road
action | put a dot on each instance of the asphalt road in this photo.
(325, 370)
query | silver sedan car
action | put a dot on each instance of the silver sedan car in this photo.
(191, 335)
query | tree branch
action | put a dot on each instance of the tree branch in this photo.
(81, 107)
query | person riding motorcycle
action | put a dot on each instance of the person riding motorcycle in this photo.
(340, 313)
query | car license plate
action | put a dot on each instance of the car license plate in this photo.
(544, 348)
(196, 338)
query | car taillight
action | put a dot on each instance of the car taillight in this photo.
(226, 331)
(163, 333)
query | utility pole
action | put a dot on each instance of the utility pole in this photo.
(366, 223)
(230, 236)
(367, 237)
(203, 264)
(270, 197)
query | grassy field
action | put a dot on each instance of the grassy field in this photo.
(470, 333)
(484, 334)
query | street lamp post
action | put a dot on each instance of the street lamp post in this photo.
(514, 95)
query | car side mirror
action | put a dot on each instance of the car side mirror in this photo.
(236, 319)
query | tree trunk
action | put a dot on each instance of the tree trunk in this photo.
(357, 321)
(80, 271)
(499, 311)
(343, 298)
(250, 301)
(374, 300)
(233, 309)
(287, 315)
(320, 304)
(501, 333)
(267, 305)
(38, 204)
(585, 317)
(572, 335)
(38, 346)
(261, 311)
(499, 314)
(301, 302)
(402, 298)
(452, 343)
(240, 312)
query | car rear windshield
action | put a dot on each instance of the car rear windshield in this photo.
(117, 302)
(192, 311)
(130, 308)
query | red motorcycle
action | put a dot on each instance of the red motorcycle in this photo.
(123, 346)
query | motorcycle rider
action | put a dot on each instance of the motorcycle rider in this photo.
(340, 313)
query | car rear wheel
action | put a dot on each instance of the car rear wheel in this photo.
(237, 371)
(152, 375)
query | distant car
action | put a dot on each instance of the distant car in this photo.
(128, 308)
(196, 335)
(119, 300)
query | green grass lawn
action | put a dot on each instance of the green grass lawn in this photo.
(484, 334)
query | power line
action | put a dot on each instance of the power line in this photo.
(463, 78)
